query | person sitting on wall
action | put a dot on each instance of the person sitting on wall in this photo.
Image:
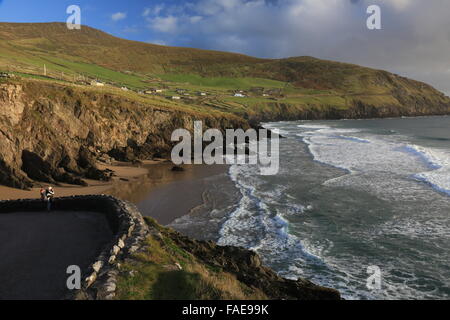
(49, 194)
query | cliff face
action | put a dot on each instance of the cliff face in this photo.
(359, 108)
(50, 133)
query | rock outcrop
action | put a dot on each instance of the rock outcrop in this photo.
(247, 267)
(52, 133)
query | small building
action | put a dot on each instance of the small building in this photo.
(203, 94)
(176, 98)
(97, 83)
(240, 95)
(7, 75)
(154, 91)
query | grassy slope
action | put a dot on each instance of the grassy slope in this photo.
(156, 275)
(306, 83)
(172, 266)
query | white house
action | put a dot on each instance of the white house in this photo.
(176, 98)
(240, 95)
(97, 83)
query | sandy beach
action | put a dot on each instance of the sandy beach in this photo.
(122, 172)
(158, 191)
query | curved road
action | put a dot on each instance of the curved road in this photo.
(37, 247)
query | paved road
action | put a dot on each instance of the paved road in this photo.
(37, 247)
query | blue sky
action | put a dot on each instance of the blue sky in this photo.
(414, 40)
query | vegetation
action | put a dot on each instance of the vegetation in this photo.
(167, 272)
(301, 87)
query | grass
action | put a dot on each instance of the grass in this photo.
(305, 82)
(154, 275)
(223, 83)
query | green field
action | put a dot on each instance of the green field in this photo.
(224, 83)
(292, 83)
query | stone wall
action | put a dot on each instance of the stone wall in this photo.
(129, 232)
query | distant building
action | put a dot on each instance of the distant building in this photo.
(6, 75)
(240, 95)
(154, 91)
(97, 83)
(203, 94)
(176, 98)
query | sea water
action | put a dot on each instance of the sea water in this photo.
(352, 194)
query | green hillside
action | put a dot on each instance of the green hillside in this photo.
(293, 88)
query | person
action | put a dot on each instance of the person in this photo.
(49, 194)
(42, 192)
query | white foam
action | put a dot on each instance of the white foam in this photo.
(380, 165)
(259, 221)
(312, 126)
(348, 150)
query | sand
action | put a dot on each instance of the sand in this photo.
(158, 191)
(94, 187)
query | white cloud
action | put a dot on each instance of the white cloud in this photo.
(167, 24)
(158, 42)
(118, 16)
(153, 11)
(195, 19)
(146, 12)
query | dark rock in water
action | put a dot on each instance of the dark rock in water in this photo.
(177, 169)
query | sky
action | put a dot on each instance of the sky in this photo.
(414, 39)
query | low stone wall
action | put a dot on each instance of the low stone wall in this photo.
(129, 232)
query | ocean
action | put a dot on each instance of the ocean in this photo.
(350, 194)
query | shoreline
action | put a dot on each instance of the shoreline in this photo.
(153, 187)
(122, 172)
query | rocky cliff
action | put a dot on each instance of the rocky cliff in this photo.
(54, 133)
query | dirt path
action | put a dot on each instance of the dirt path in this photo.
(37, 247)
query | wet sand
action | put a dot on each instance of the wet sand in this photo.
(30, 241)
(158, 191)
(122, 172)
(167, 195)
